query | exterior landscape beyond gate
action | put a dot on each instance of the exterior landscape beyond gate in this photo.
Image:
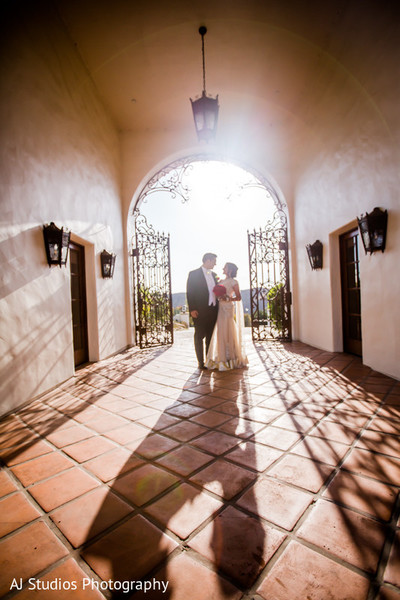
(152, 284)
(270, 296)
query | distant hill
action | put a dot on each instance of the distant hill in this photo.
(179, 299)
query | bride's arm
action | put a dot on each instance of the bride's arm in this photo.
(238, 295)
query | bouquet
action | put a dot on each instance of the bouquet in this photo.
(219, 291)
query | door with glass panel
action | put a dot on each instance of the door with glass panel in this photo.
(351, 292)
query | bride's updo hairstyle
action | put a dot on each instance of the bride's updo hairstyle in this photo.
(232, 269)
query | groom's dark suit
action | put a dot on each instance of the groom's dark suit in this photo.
(197, 293)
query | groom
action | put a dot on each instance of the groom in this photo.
(203, 306)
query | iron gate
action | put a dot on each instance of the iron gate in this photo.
(270, 296)
(152, 284)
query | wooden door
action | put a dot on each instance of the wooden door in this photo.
(351, 302)
(78, 303)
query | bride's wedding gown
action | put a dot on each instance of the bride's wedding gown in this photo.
(226, 349)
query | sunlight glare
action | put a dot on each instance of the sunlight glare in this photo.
(216, 218)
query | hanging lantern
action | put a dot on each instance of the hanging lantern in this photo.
(373, 228)
(314, 252)
(205, 109)
(107, 264)
(56, 242)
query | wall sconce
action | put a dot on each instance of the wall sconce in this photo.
(107, 264)
(56, 242)
(314, 252)
(373, 228)
(205, 109)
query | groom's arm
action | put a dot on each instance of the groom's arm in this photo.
(191, 295)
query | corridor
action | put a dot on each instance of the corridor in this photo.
(143, 475)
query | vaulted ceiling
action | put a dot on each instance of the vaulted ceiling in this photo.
(291, 63)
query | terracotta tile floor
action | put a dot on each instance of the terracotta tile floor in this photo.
(279, 482)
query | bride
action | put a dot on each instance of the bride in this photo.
(226, 349)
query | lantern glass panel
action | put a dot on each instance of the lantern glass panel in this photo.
(54, 252)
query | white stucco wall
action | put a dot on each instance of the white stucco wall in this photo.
(349, 171)
(59, 162)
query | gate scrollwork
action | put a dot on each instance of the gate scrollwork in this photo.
(152, 281)
(270, 297)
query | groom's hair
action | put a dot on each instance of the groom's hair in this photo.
(209, 256)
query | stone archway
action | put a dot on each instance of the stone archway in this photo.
(270, 296)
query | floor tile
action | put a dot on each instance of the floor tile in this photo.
(129, 551)
(64, 437)
(216, 442)
(67, 573)
(7, 486)
(385, 425)
(254, 456)
(383, 468)
(20, 436)
(211, 418)
(362, 493)
(128, 433)
(344, 533)
(239, 545)
(302, 472)
(184, 431)
(376, 441)
(16, 511)
(325, 451)
(28, 552)
(229, 407)
(114, 463)
(224, 479)
(276, 502)
(295, 423)
(88, 515)
(181, 573)
(87, 449)
(386, 593)
(158, 422)
(106, 422)
(139, 411)
(184, 460)
(62, 488)
(234, 512)
(184, 410)
(144, 483)
(336, 432)
(300, 574)
(392, 572)
(20, 454)
(152, 446)
(183, 509)
(41, 468)
(261, 414)
(347, 418)
(242, 428)
(277, 438)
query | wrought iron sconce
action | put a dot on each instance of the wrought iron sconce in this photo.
(314, 252)
(107, 264)
(56, 242)
(373, 228)
(205, 109)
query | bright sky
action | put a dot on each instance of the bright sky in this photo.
(215, 219)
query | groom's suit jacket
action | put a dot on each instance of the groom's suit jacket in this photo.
(197, 290)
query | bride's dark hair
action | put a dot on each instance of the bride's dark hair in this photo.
(232, 269)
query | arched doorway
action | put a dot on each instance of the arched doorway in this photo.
(267, 249)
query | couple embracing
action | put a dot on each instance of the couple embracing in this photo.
(217, 312)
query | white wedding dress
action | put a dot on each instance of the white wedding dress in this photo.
(226, 349)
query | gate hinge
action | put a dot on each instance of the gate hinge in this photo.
(135, 252)
(289, 297)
